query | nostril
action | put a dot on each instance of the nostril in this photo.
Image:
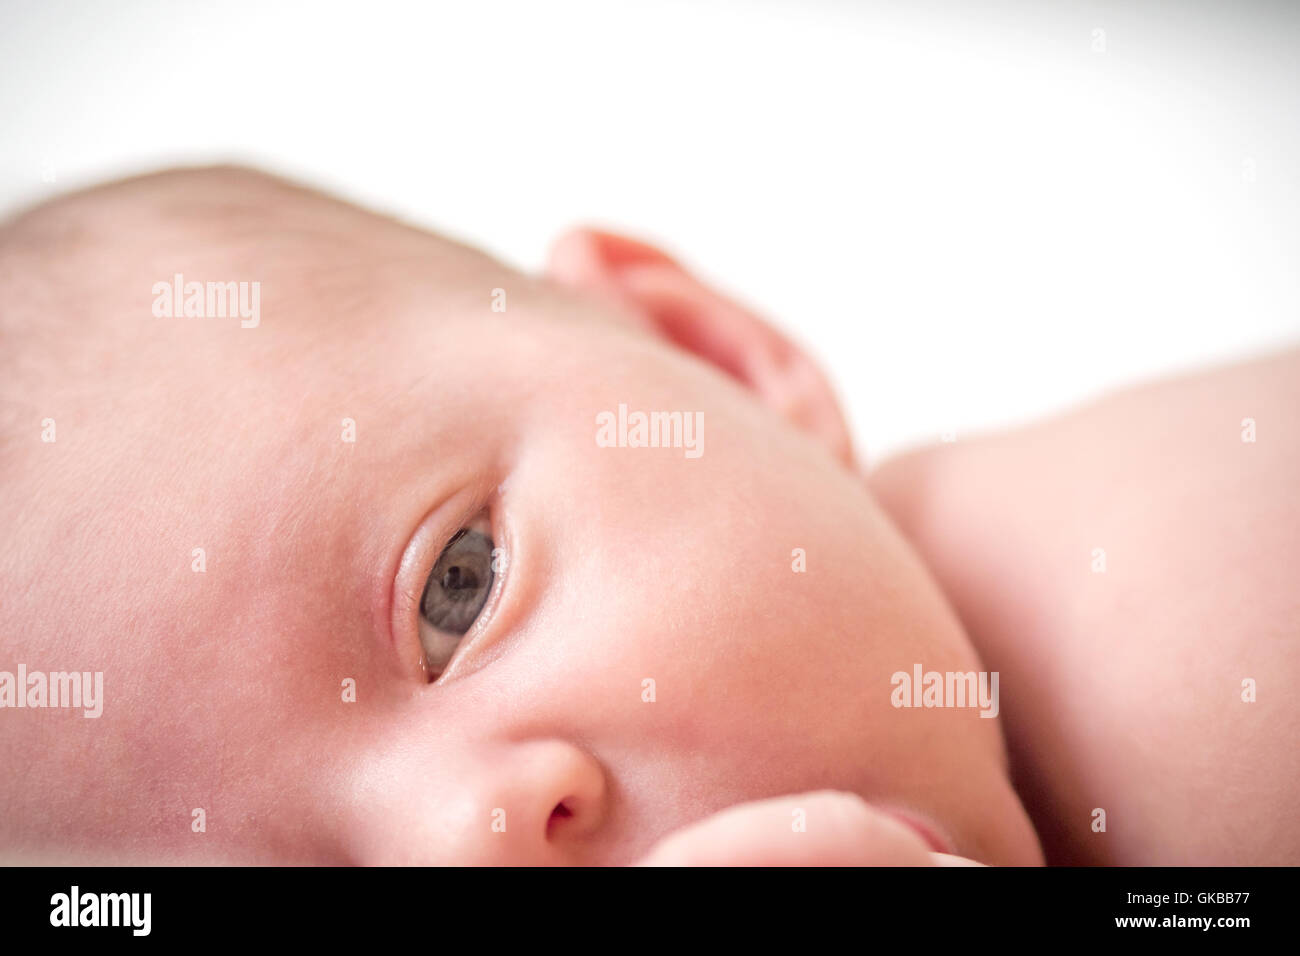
(561, 812)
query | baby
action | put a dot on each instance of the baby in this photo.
(333, 541)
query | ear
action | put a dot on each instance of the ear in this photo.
(646, 282)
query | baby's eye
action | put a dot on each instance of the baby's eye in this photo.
(454, 596)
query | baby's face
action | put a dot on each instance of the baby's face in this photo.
(649, 634)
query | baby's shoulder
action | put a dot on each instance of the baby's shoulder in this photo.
(1130, 569)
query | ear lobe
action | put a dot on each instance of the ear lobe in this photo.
(646, 282)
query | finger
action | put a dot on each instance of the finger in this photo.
(825, 828)
(949, 859)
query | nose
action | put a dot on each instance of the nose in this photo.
(531, 803)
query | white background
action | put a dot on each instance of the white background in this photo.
(971, 214)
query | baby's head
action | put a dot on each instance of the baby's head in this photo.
(399, 566)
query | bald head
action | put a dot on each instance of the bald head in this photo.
(117, 295)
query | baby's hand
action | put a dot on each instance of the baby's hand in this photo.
(825, 828)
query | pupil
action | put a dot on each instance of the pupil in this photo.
(455, 580)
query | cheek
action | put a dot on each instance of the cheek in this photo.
(725, 627)
(730, 693)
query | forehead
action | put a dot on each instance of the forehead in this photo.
(367, 326)
(87, 277)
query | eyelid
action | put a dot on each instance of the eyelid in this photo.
(431, 537)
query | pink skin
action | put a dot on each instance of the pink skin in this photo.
(808, 829)
(224, 689)
(1128, 683)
